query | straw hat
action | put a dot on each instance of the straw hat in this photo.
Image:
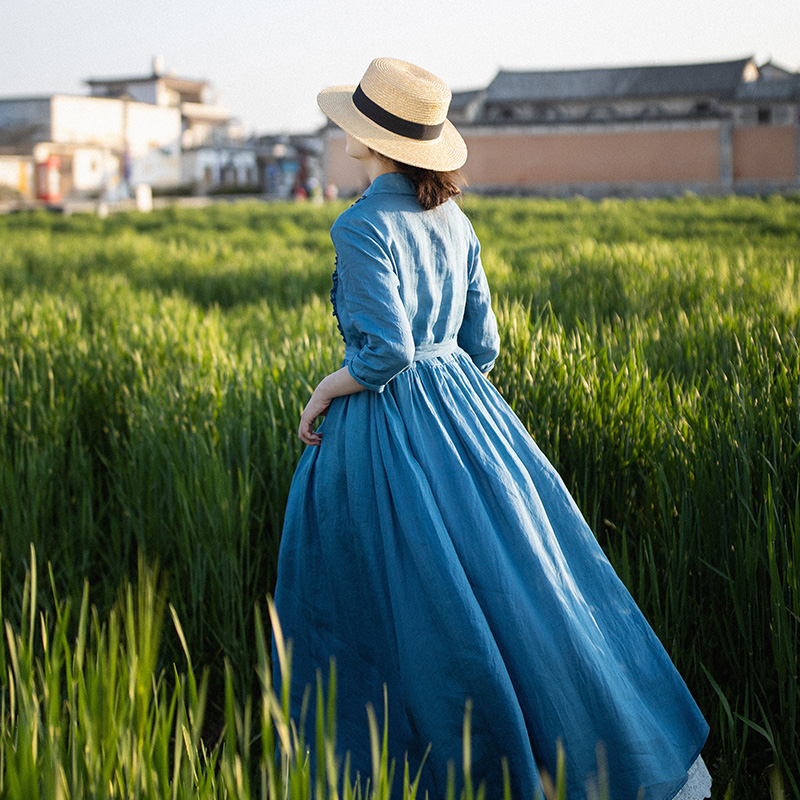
(400, 111)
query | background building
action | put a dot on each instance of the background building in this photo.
(155, 129)
(709, 128)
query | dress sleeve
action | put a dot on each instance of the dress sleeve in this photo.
(478, 333)
(371, 295)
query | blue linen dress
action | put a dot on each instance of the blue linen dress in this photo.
(430, 546)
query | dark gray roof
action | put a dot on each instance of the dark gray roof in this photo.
(771, 69)
(720, 79)
(786, 89)
(464, 98)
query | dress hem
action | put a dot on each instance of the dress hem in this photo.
(697, 785)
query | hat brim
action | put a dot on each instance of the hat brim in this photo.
(447, 152)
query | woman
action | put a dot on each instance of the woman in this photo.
(429, 546)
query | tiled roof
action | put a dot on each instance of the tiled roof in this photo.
(780, 89)
(463, 99)
(720, 79)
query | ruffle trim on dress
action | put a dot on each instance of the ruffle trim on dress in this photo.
(335, 279)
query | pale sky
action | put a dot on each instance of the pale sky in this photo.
(267, 59)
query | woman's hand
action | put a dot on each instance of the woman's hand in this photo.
(316, 407)
(337, 384)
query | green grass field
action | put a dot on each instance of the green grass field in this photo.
(153, 371)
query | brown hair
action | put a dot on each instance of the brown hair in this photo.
(432, 187)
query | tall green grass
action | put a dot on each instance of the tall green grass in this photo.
(154, 367)
(93, 715)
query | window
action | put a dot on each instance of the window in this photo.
(764, 115)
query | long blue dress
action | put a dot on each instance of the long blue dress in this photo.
(430, 546)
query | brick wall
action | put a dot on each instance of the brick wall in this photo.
(765, 152)
(640, 158)
(615, 157)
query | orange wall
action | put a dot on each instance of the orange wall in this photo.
(607, 157)
(522, 160)
(765, 152)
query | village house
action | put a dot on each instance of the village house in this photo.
(156, 129)
(655, 130)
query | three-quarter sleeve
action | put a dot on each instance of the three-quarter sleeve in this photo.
(371, 298)
(478, 334)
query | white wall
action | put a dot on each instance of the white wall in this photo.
(164, 96)
(114, 123)
(210, 166)
(157, 169)
(17, 172)
(153, 127)
(150, 134)
(93, 169)
(87, 120)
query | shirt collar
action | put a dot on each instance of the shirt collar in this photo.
(391, 183)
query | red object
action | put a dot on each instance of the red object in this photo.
(48, 183)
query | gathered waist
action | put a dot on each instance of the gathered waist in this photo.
(422, 352)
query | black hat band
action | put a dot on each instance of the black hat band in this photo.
(393, 123)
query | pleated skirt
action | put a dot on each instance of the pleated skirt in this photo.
(431, 548)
